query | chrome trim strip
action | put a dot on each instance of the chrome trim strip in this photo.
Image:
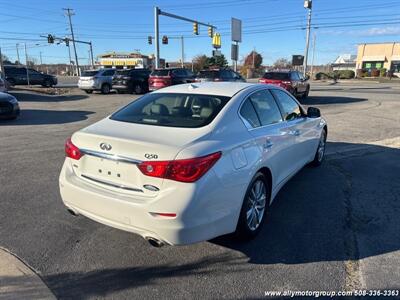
(111, 156)
(112, 184)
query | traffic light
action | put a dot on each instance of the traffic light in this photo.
(50, 39)
(196, 28)
(210, 32)
(150, 40)
(165, 40)
(66, 42)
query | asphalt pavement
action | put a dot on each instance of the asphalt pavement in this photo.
(330, 228)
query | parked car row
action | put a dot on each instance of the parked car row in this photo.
(16, 75)
(140, 81)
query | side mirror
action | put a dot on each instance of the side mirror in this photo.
(307, 77)
(313, 112)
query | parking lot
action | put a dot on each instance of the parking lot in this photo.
(331, 228)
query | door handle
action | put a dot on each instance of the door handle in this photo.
(294, 132)
(268, 144)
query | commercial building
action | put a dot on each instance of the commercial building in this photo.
(345, 62)
(379, 55)
(122, 60)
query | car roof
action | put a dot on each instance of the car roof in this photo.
(207, 88)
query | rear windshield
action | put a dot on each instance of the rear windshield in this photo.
(160, 73)
(89, 73)
(208, 74)
(123, 72)
(276, 75)
(172, 110)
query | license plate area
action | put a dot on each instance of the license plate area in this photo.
(111, 174)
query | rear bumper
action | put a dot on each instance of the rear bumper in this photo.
(120, 87)
(196, 219)
(89, 86)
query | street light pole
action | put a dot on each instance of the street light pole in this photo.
(312, 58)
(26, 62)
(183, 52)
(18, 53)
(307, 5)
(91, 54)
(156, 37)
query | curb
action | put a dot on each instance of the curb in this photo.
(19, 281)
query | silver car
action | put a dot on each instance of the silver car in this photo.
(96, 80)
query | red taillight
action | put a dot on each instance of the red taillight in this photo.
(72, 151)
(262, 80)
(184, 170)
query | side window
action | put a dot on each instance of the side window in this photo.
(249, 114)
(290, 109)
(300, 76)
(176, 72)
(266, 108)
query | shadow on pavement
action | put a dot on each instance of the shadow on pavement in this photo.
(313, 100)
(41, 117)
(325, 213)
(346, 209)
(36, 97)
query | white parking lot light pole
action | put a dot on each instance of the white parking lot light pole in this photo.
(156, 37)
(307, 5)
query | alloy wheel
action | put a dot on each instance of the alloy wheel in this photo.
(256, 205)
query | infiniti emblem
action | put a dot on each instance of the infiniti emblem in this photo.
(105, 146)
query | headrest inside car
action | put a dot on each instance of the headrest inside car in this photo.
(159, 109)
(205, 112)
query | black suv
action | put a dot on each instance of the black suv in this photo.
(218, 75)
(131, 81)
(18, 76)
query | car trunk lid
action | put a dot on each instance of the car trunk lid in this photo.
(112, 150)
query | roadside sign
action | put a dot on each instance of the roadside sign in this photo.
(297, 60)
(235, 52)
(236, 30)
(216, 53)
(216, 41)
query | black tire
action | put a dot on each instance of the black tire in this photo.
(138, 89)
(105, 88)
(305, 94)
(88, 91)
(243, 229)
(11, 81)
(319, 156)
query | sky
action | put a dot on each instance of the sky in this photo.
(274, 28)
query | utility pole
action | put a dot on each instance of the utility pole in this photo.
(26, 62)
(307, 5)
(70, 13)
(18, 54)
(71, 71)
(312, 59)
(183, 52)
(41, 61)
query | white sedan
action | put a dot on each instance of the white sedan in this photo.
(191, 162)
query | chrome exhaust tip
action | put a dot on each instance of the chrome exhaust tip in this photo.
(154, 242)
